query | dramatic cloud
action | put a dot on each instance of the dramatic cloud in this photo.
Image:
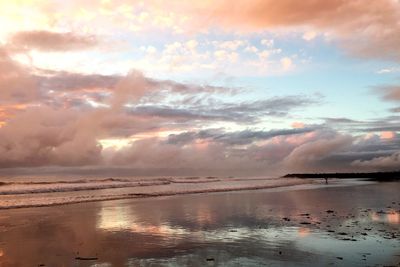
(52, 41)
(383, 124)
(16, 83)
(242, 112)
(391, 162)
(74, 112)
(307, 157)
(67, 81)
(210, 87)
(65, 128)
(44, 136)
(205, 152)
(233, 138)
(366, 29)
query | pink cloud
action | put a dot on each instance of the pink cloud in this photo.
(388, 135)
(50, 131)
(390, 93)
(391, 162)
(16, 83)
(364, 28)
(367, 29)
(307, 156)
(52, 41)
(297, 125)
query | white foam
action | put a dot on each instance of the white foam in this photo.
(35, 188)
(36, 194)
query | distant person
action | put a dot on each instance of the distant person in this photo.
(326, 180)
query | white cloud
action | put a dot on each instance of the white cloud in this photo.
(251, 48)
(150, 50)
(224, 55)
(264, 54)
(310, 35)
(267, 42)
(287, 63)
(388, 70)
(230, 45)
(192, 44)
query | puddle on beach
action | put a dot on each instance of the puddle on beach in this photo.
(346, 226)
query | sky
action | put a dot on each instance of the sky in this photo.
(235, 88)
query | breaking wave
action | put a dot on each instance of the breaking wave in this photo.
(20, 194)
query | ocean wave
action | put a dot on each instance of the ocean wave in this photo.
(49, 195)
(47, 187)
(36, 187)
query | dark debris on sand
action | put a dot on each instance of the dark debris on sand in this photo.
(341, 225)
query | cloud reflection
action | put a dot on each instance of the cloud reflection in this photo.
(123, 219)
(392, 217)
(303, 232)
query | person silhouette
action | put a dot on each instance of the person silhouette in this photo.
(326, 180)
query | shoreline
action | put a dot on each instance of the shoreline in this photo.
(347, 225)
(271, 188)
(374, 176)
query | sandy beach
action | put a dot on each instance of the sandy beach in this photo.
(199, 133)
(356, 225)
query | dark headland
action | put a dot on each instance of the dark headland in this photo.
(376, 176)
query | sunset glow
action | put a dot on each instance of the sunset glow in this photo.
(259, 86)
(199, 133)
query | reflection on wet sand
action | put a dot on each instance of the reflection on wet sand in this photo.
(303, 232)
(123, 219)
(204, 216)
(393, 217)
(114, 218)
(294, 228)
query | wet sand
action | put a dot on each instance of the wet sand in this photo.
(328, 226)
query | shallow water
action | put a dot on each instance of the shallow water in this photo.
(42, 191)
(246, 228)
